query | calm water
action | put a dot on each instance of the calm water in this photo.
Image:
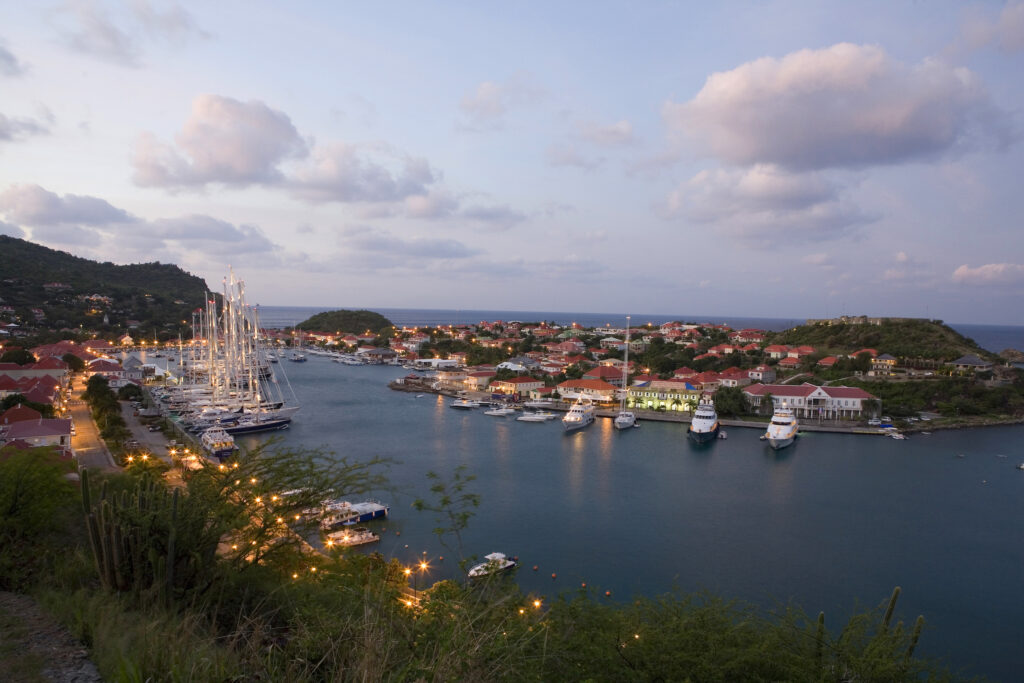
(832, 523)
(994, 338)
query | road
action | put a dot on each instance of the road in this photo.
(90, 451)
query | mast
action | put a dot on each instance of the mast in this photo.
(625, 371)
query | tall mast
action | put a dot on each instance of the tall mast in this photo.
(625, 371)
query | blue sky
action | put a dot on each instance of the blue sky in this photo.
(777, 159)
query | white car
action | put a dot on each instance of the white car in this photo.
(874, 422)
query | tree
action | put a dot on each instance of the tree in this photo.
(74, 363)
(730, 401)
(19, 356)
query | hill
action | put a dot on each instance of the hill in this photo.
(71, 291)
(356, 322)
(901, 338)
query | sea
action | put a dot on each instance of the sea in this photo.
(832, 523)
(993, 338)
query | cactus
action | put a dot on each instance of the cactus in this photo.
(820, 640)
(133, 537)
(915, 635)
(891, 607)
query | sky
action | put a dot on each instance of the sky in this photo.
(774, 159)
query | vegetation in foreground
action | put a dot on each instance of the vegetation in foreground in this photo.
(210, 582)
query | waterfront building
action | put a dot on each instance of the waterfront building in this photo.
(597, 390)
(811, 401)
(515, 385)
(664, 394)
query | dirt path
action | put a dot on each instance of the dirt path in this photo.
(34, 647)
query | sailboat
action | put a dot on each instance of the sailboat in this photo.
(625, 419)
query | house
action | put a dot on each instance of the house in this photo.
(596, 389)
(883, 364)
(611, 375)
(776, 350)
(789, 363)
(515, 385)
(684, 372)
(734, 378)
(970, 363)
(808, 400)
(41, 432)
(19, 413)
(762, 373)
(857, 354)
(827, 362)
(479, 380)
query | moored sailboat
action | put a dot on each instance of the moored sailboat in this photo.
(625, 419)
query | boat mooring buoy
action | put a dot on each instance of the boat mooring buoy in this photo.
(553, 575)
(534, 567)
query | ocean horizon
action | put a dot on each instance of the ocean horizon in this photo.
(994, 338)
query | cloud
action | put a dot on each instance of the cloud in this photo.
(347, 173)
(34, 206)
(90, 29)
(495, 217)
(761, 204)
(614, 134)
(432, 205)
(12, 230)
(980, 30)
(990, 274)
(20, 128)
(369, 249)
(198, 229)
(487, 104)
(9, 64)
(846, 106)
(570, 155)
(820, 259)
(223, 141)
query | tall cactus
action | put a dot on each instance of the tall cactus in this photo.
(133, 537)
(887, 618)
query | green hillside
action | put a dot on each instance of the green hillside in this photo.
(356, 322)
(158, 296)
(900, 338)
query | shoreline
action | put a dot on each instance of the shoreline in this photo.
(684, 418)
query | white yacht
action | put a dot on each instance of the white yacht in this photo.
(537, 416)
(580, 415)
(704, 426)
(782, 429)
(495, 563)
(500, 411)
(625, 419)
(465, 404)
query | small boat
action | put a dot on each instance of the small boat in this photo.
(337, 512)
(420, 395)
(782, 429)
(464, 404)
(1020, 466)
(501, 411)
(359, 535)
(705, 426)
(297, 357)
(897, 435)
(540, 403)
(495, 564)
(580, 415)
(218, 443)
(537, 416)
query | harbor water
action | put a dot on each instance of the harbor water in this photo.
(832, 523)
